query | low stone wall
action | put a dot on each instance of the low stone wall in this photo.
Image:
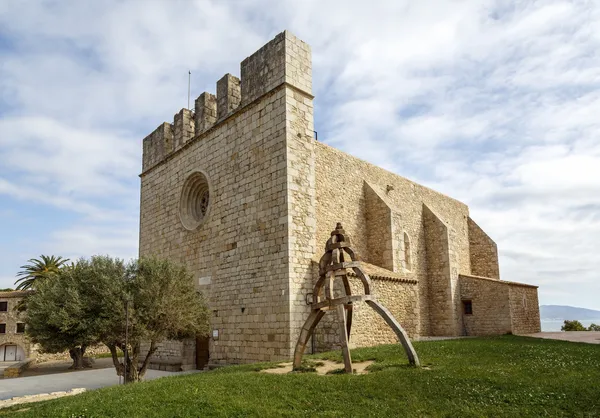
(16, 369)
(89, 352)
(499, 307)
(368, 328)
(491, 310)
(524, 309)
(172, 356)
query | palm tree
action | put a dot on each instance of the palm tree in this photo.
(41, 268)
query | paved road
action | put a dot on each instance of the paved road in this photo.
(89, 379)
(591, 337)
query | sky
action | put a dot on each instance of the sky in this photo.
(494, 103)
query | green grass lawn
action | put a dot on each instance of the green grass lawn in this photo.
(499, 376)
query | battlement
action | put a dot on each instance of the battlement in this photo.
(283, 60)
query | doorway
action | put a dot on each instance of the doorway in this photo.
(10, 353)
(201, 352)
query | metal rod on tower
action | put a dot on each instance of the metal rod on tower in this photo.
(189, 86)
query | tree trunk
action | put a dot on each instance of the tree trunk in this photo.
(133, 374)
(151, 351)
(76, 354)
(115, 359)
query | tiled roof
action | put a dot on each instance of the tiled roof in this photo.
(470, 276)
(380, 273)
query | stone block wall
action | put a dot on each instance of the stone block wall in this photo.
(400, 296)
(11, 318)
(442, 269)
(491, 306)
(340, 197)
(239, 253)
(524, 309)
(499, 307)
(286, 59)
(251, 253)
(275, 194)
(483, 252)
(301, 217)
(378, 219)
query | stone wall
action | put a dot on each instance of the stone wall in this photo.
(500, 307)
(11, 318)
(483, 252)
(300, 206)
(172, 356)
(275, 194)
(442, 269)
(340, 197)
(378, 219)
(251, 253)
(524, 309)
(491, 306)
(399, 295)
(239, 253)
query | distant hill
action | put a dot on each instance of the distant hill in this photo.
(567, 312)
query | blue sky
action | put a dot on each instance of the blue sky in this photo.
(492, 102)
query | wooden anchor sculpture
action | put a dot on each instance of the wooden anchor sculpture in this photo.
(333, 264)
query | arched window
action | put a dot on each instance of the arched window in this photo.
(407, 253)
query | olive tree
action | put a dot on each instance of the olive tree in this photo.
(66, 313)
(104, 300)
(159, 303)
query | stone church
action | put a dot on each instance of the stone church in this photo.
(241, 192)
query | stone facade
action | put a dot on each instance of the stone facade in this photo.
(14, 345)
(241, 192)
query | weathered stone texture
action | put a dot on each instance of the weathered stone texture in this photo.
(205, 115)
(157, 145)
(442, 269)
(285, 59)
(378, 218)
(491, 308)
(483, 251)
(172, 356)
(275, 195)
(228, 95)
(499, 307)
(183, 127)
(301, 219)
(259, 161)
(406, 199)
(11, 318)
(241, 247)
(368, 328)
(524, 309)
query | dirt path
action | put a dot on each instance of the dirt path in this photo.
(324, 367)
(590, 337)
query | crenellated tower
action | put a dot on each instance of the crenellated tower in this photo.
(283, 61)
(229, 190)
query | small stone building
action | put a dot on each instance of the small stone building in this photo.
(14, 345)
(241, 191)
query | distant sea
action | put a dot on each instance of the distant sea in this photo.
(549, 325)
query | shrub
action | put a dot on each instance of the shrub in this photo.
(594, 327)
(573, 326)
